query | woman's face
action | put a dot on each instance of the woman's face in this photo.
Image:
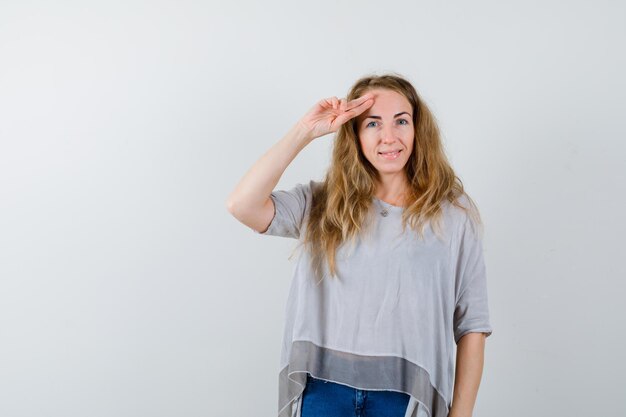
(386, 132)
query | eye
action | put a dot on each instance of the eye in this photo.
(406, 122)
(368, 125)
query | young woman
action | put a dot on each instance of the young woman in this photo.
(392, 274)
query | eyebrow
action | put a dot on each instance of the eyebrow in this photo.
(380, 118)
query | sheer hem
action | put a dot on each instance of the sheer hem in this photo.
(390, 373)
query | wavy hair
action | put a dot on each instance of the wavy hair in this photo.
(341, 204)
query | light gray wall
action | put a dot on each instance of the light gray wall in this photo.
(127, 289)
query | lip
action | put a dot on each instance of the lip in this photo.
(391, 157)
(395, 150)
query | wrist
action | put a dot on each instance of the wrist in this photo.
(302, 132)
(455, 412)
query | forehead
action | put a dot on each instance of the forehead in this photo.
(387, 103)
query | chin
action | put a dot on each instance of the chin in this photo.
(388, 170)
(391, 167)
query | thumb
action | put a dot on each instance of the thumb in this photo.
(342, 118)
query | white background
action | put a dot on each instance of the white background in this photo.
(127, 289)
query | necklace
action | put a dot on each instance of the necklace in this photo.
(383, 211)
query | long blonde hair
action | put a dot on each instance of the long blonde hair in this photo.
(341, 204)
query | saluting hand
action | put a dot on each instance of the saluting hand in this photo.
(330, 113)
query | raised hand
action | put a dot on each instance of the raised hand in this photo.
(330, 113)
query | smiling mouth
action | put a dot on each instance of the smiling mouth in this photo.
(390, 155)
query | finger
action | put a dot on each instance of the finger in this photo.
(344, 117)
(326, 102)
(343, 104)
(335, 102)
(362, 107)
(357, 101)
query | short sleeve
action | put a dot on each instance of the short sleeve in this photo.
(471, 313)
(290, 208)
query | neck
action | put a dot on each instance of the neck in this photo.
(392, 190)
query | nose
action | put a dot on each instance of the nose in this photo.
(387, 134)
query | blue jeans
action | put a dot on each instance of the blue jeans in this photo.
(329, 399)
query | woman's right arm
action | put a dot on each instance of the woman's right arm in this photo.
(250, 201)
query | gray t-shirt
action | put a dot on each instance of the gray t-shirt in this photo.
(392, 319)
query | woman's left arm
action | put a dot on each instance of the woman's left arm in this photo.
(470, 355)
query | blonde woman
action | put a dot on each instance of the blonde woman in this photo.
(390, 284)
